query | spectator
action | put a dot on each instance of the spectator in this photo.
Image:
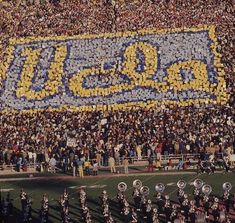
(80, 167)
(158, 164)
(112, 164)
(95, 168)
(126, 165)
(150, 163)
(87, 166)
(52, 164)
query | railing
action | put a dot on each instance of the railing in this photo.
(135, 161)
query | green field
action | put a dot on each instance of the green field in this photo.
(54, 187)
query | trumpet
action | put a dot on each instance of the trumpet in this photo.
(181, 184)
(206, 189)
(198, 183)
(122, 186)
(144, 190)
(227, 186)
(159, 188)
(137, 184)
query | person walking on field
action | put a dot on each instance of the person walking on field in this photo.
(112, 164)
(126, 164)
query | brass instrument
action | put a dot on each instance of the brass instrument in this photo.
(159, 188)
(122, 186)
(137, 184)
(227, 186)
(198, 183)
(206, 189)
(181, 184)
(144, 190)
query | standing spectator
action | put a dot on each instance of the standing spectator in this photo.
(112, 164)
(150, 164)
(126, 164)
(138, 151)
(52, 164)
(95, 168)
(75, 167)
(80, 167)
(98, 158)
(87, 166)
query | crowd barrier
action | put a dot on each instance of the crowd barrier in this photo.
(190, 159)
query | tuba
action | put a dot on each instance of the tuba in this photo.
(137, 184)
(198, 183)
(181, 184)
(122, 186)
(206, 189)
(159, 188)
(144, 190)
(227, 186)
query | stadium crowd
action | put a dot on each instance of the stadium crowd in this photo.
(135, 132)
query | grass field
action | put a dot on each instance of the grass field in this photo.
(54, 187)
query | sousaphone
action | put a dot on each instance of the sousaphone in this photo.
(122, 186)
(137, 184)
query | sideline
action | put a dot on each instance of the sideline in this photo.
(98, 176)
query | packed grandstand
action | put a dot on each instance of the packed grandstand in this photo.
(96, 85)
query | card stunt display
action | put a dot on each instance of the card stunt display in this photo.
(113, 71)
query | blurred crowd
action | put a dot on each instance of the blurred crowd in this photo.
(165, 130)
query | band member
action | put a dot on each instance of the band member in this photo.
(66, 198)
(197, 196)
(86, 215)
(27, 213)
(206, 205)
(160, 202)
(110, 218)
(120, 198)
(126, 211)
(134, 216)
(137, 198)
(226, 200)
(149, 210)
(143, 204)
(82, 197)
(167, 208)
(185, 206)
(215, 210)
(174, 213)
(180, 195)
(65, 215)
(23, 199)
(106, 212)
(44, 209)
(192, 212)
(155, 218)
(104, 198)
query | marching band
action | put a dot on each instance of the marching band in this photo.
(202, 207)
